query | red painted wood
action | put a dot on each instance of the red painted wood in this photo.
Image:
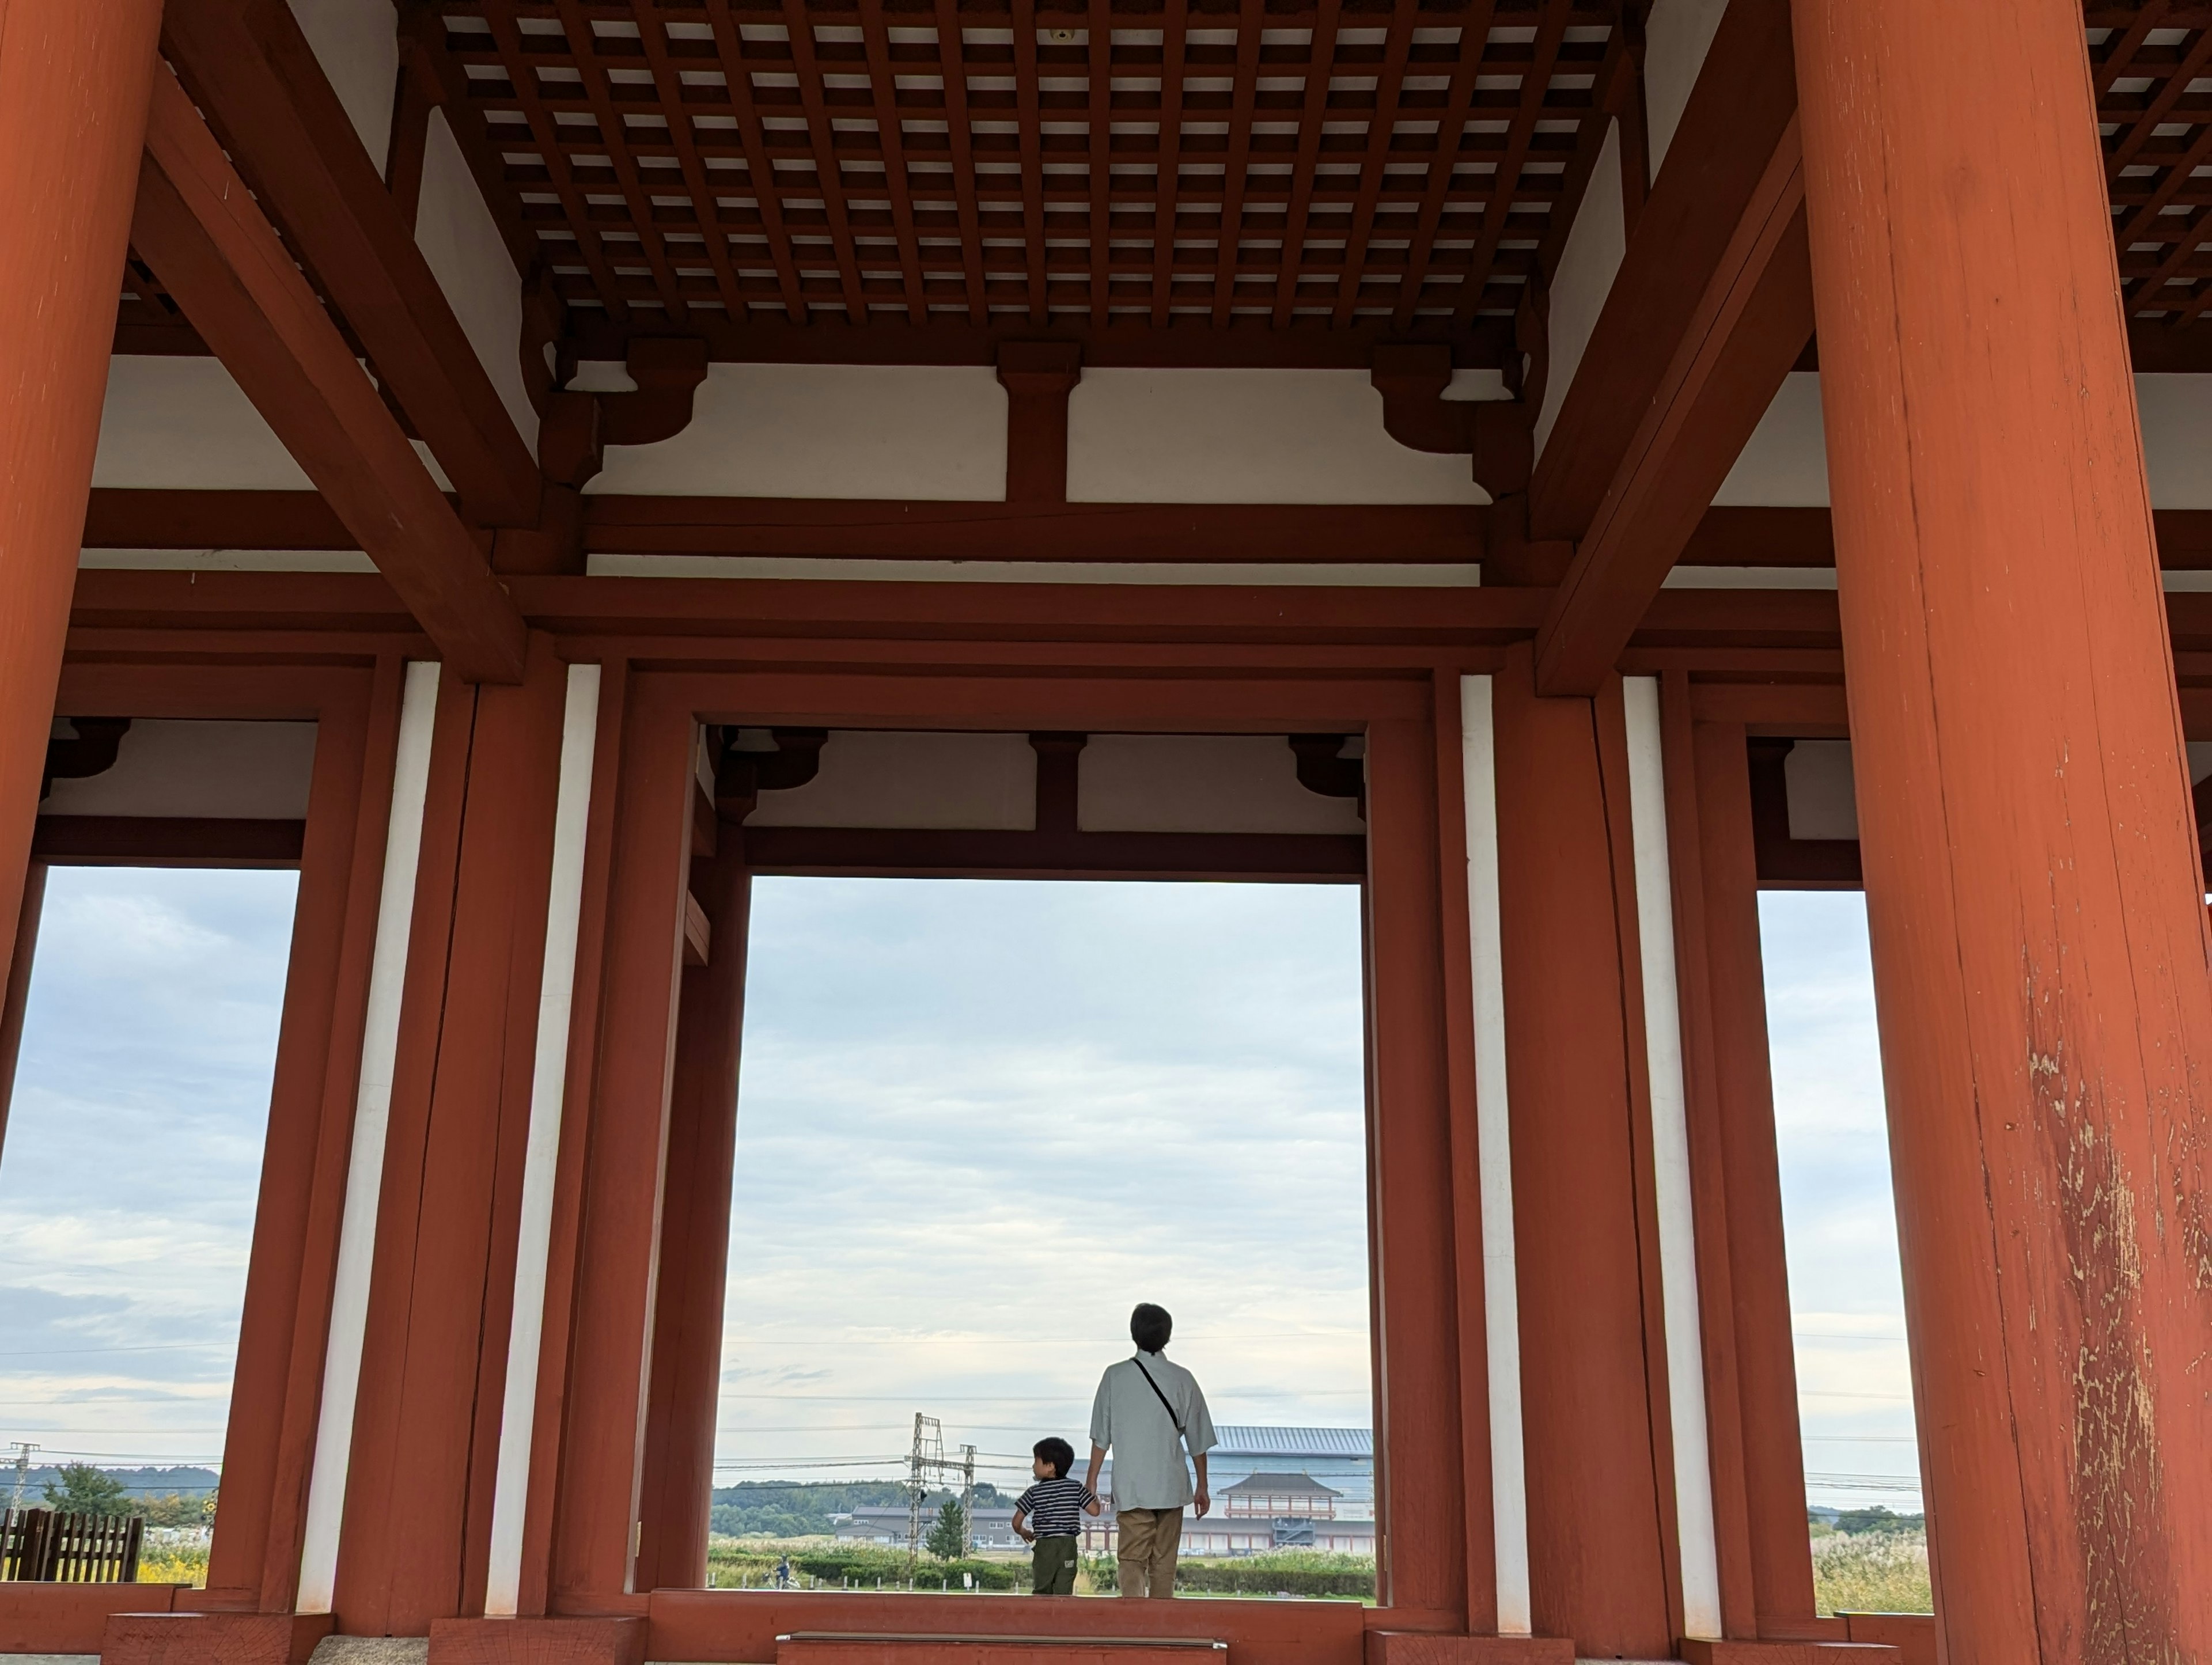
(695, 1235)
(2035, 899)
(1597, 1567)
(212, 1639)
(71, 1619)
(564, 1245)
(16, 992)
(609, 1337)
(1038, 377)
(251, 67)
(1456, 964)
(1401, 1648)
(158, 841)
(1742, 1099)
(1711, 1205)
(812, 1649)
(1421, 1500)
(426, 1430)
(707, 1626)
(201, 230)
(537, 1641)
(73, 95)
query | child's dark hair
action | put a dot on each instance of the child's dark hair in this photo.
(1150, 1327)
(1058, 1452)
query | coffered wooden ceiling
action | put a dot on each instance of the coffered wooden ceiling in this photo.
(1168, 181)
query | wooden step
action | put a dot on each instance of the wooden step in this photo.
(922, 1647)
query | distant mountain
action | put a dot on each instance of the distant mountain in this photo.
(188, 1482)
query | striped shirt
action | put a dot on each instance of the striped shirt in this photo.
(1055, 1507)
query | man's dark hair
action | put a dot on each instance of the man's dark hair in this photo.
(1150, 1327)
(1058, 1452)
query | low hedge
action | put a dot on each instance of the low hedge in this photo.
(1282, 1572)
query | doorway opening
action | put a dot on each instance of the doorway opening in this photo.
(129, 1170)
(978, 1121)
(1846, 1288)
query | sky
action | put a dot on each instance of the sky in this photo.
(978, 1121)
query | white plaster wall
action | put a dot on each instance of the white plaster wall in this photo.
(891, 778)
(357, 44)
(229, 770)
(466, 254)
(1592, 256)
(1786, 463)
(1252, 436)
(183, 423)
(1212, 783)
(828, 430)
(1823, 798)
(2177, 429)
(1677, 36)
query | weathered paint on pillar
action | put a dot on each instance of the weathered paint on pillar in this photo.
(1598, 1566)
(676, 1493)
(2034, 900)
(74, 78)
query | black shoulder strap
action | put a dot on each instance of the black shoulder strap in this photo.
(1156, 1394)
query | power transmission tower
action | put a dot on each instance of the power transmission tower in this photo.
(967, 1500)
(23, 1450)
(928, 1466)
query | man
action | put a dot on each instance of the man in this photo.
(1147, 1412)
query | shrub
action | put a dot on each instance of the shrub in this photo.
(1871, 1572)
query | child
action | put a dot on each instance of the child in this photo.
(1055, 1501)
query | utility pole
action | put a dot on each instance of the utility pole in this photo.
(967, 1500)
(23, 1450)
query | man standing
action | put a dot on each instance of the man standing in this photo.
(1148, 1411)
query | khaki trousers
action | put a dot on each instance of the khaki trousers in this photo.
(1148, 1541)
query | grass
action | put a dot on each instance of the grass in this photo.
(174, 1555)
(1871, 1572)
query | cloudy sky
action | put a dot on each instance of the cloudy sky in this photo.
(979, 1121)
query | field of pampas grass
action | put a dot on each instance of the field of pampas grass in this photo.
(1871, 1572)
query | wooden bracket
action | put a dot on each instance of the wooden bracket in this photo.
(1038, 377)
(1497, 435)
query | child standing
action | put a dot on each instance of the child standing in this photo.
(1057, 1503)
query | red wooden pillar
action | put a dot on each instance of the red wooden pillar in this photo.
(426, 1427)
(1423, 1501)
(1765, 1559)
(74, 79)
(15, 992)
(2034, 896)
(694, 1233)
(1598, 1559)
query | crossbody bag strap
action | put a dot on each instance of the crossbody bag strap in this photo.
(1156, 1394)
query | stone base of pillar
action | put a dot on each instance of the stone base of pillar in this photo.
(1789, 1653)
(536, 1642)
(1420, 1648)
(212, 1639)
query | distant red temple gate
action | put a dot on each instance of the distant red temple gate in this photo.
(476, 1383)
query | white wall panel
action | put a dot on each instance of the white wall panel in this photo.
(1786, 463)
(1587, 265)
(248, 770)
(461, 241)
(830, 430)
(1252, 436)
(182, 424)
(357, 44)
(1676, 37)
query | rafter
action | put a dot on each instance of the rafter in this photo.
(248, 64)
(204, 235)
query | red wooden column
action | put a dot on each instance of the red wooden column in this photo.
(2035, 905)
(1766, 1564)
(15, 992)
(1599, 1564)
(1423, 1500)
(74, 78)
(426, 1427)
(695, 1231)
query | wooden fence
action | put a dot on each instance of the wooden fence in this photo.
(48, 1546)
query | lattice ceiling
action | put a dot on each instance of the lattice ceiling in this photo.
(1243, 174)
(2154, 77)
(1270, 164)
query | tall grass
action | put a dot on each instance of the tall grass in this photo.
(1871, 1572)
(174, 1555)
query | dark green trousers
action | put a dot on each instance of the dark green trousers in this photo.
(1052, 1566)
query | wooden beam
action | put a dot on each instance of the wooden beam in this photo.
(1751, 323)
(155, 841)
(248, 64)
(200, 229)
(1744, 101)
